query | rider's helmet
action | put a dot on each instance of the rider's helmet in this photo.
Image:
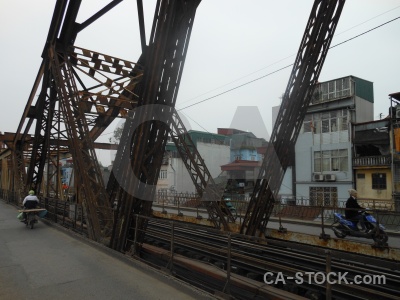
(31, 192)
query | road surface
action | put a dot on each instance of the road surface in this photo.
(46, 263)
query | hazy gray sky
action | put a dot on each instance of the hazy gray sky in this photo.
(233, 42)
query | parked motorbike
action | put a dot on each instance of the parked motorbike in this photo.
(343, 227)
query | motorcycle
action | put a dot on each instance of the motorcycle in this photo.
(31, 216)
(374, 230)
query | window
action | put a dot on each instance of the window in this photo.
(307, 124)
(343, 120)
(331, 160)
(379, 181)
(334, 89)
(163, 174)
(326, 122)
(323, 196)
(360, 176)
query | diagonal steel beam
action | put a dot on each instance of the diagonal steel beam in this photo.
(209, 192)
(94, 197)
(310, 58)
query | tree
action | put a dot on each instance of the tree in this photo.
(117, 134)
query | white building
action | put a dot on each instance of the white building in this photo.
(323, 153)
(213, 148)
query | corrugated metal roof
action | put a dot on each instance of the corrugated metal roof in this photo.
(240, 165)
(395, 96)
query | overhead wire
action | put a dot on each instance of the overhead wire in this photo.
(282, 59)
(276, 71)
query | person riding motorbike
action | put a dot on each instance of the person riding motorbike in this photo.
(352, 213)
(30, 202)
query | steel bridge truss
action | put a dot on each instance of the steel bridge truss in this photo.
(72, 111)
(82, 92)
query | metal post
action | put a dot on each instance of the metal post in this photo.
(172, 247)
(75, 213)
(198, 217)
(136, 233)
(179, 210)
(281, 228)
(81, 218)
(323, 235)
(55, 211)
(64, 211)
(328, 270)
(228, 266)
(163, 208)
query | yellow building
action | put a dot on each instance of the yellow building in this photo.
(372, 164)
(376, 162)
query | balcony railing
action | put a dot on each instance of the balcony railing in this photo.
(381, 160)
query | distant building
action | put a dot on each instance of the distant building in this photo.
(394, 117)
(246, 154)
(174, 176)
(372, 163)
(323, 172)
(233, 155)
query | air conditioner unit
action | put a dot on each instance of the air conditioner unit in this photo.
(398, 112)
(318, 177)
(330, 177)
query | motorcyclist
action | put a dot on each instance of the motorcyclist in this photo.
(352, 213)
(30, 202)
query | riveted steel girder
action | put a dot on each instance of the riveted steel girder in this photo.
(209, 192)
(310, 58)
(146, 130)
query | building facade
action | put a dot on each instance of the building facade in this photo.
(372, 163)
(213, 148)
(323, 172)
(246, 155)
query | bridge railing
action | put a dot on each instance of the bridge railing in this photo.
(289, 209)
(64, 213)
(71, 216)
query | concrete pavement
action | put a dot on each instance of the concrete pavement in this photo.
(45, 263)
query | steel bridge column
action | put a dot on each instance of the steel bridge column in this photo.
(313, 49)
(163, 66)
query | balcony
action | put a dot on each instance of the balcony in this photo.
(369, 161)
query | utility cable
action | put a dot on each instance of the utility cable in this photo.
(246, 83)
(276, 71)
(274, 63)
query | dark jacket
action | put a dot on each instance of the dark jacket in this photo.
(352, 203)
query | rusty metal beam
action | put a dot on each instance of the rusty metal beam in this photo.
(145, 133)
(59, 92)
(111, 97)
(209, 192)
(97, 15)
(310, 58)
(98, 212)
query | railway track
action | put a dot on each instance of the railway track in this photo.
(251, 259)
(289, 265)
